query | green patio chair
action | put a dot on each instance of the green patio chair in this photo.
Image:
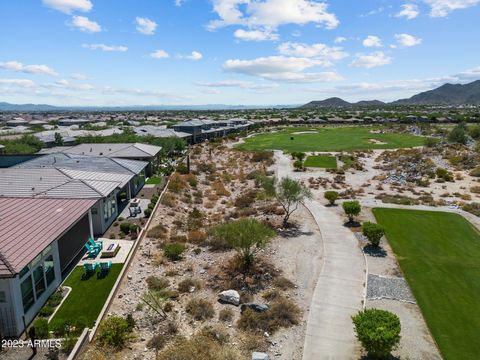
(90, 268)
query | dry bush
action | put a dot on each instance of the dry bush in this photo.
(199, 347)
(155, 283)
(281, 313)
(158, 259)
(246, 200)
(219, 189)
(283, 283)
(475, 189)
(169, 200)
(208, 168)
(210, 205)
(197, 237)
(200, 309)
(178, 238)
(225, 314)
(186, 285)
(158, 232)
(191, 179)
(216, 332)
(253, 342)
(177, 184)
(272, 295)
(263, 156)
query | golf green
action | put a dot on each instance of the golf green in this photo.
(321, 161)
(439, 254)
(330, 139)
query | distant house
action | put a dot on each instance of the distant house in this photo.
(208, 129)
(38, 241)
(133, 151)
(161, 132)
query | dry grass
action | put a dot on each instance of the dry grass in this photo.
(200, 309)
(225, 315)
(186, 285)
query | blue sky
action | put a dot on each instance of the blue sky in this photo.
(148, 52)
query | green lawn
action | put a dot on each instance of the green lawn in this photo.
(329, 139)
(439, 254)
(87, 297)
(153, 181)
(321, 161)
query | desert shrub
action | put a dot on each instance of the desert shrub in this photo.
(157, 342)
(182, 168)
(200, 309)
(225, 314)
(272, 295)
(245, 200)
(191, 179)
(208, 168)
(216, 332)
(174, 251)
(125, 228)
(197, 236)
(281, 313)
(113, 332)
(444, 174)
(185, 285)
(198, 347)
(157, 283)
(298, 165)
(253, 342)
(219, 189)
(259, 156)
(352, 209)
(475, 172)
(168, 200)
(69, 343)
(147, 212)
(373, 232)
(195, 219)
(473, 208)
(178, 238)
(475, 189)
(283, 283)
(378, 331)
(157, 232)
(177, 184)
(41, 328)
(331, 196)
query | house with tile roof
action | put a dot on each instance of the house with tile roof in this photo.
(40, 239)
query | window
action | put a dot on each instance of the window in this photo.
(109, 207)
(3, 297)
(49, 270)
(39, 281)
(27, 293)
(24, 271)
(46, 250)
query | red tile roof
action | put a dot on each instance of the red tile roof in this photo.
(27, 226)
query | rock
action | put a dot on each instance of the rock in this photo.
(254, 307)
(230, 297)
(260, 356)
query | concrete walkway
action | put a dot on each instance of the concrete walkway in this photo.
(339, 291)
(340, 288)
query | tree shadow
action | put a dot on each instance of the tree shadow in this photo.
(390, 357)
(331, 205)
(293, 231)
(87, 275)
(374, 251)
(352, 224)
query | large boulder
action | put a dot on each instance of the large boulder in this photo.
(260, 356)
(255, 307)
(230, 297)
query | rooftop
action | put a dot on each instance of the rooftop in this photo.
(133, 150)
(30, 225)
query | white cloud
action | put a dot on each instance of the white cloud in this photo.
(237, 84)
(23, 83)
(29, 69)
(340, 39)
(84, 24)
(441, 8)
(325, 55)
(255, 35)
(280, 68)
(195, 56)
(269, 14)
(179, 2)
(69, 6)
(65, 84)
(368, 61)
(409, 11)
(108, 48)
(407, 40)
(372, 41)
(159, 54)
(145, 25)
(78, 76)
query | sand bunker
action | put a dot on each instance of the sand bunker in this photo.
(376, 142)
(304, 132)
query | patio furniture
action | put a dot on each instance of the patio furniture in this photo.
(105, 267)
(95, 244)
(90, 268)
(110, 251)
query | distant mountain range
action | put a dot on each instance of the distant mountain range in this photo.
(4, 106)
(448, 94)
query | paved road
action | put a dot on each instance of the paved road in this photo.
(340, 288)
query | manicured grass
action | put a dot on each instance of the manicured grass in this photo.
(321, 161)
(439, 254)
(329, 139)
(153, 181)
(87, 297)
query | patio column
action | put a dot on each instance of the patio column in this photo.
(90, 223)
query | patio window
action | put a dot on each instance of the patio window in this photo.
(27, 293)
(49, 270)
(24, 271)
(3, 297)
(39, 280)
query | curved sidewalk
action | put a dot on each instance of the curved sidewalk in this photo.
(339, 291)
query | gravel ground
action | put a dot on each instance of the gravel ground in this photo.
(393, 288)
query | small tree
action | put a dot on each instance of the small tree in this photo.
(378, 331)
(352, 209)
(298, 165)
(331, 196)
(58, 139)
(458, 134)
(373, 232)
(246, 235)
(289, 193)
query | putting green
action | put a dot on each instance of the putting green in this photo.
(321, 161)
(329, 139)
(439, 254)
